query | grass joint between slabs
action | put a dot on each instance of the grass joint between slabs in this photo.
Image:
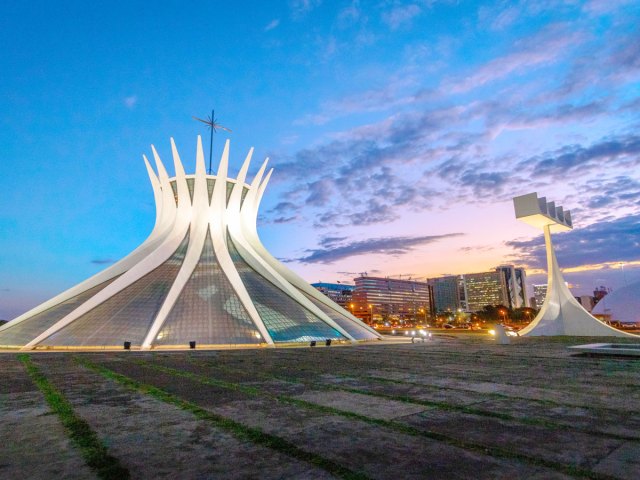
(93, 451)
(241, 431)
(397, 426)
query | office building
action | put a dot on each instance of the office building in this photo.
(446, 293)
(539, 293)
(391, 300)
(515, 282)
(340, 293)
(485, 288)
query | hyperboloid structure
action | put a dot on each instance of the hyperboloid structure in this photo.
(201, 276)
(561, 314)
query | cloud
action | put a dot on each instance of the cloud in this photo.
(130, 101)
(500, 179)
(437, 149)
(623, 149)
(320, 192)
(330, 241)
(605, 7)
(481, 182)
(608, 242)
(284, 207)
(271, 25)
(335, 250)
(542, 49)
(300, 8)
(399, 16)
(102, 261)
(285, 219)
(390, 97)
(619, 192)
(350, 15)
(505, 18)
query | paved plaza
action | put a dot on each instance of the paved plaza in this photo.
(459, 406)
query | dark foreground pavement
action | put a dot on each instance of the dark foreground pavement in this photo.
(455, 407)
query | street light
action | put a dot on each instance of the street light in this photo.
(371, 308)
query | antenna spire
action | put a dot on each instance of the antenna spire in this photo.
(213, 124)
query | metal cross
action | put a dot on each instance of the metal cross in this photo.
(213, 124)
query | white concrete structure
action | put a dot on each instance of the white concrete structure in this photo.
(622, 305)
(561, 314)
(202, 275)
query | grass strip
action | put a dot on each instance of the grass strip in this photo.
(93, 450)
(437, 404)
(339, 361)
(397, 426)
(241, 431)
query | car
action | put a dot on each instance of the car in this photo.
(448, 325)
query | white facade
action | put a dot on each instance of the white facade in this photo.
(202, 275)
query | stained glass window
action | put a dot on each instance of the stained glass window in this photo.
(208, 311)
(126, 316)
(25, 331)
(285, 319)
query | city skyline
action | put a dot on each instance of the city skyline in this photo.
(398, 133)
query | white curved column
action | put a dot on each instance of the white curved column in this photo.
(250, 233)
(196, 213)
(259, 264)
(148, 263)
(218, 228)
(561, 314)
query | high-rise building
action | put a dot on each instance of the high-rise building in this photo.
(340, 293)
(446, 296)
(587, 302)
(600, 292)
(377, 298)
(471, 292)
(486, 288)
(521, 288)
(540, 293)
(515, 282)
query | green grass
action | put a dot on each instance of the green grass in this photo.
(93, 450)
(444, 406)
(241, 431)
(394, 425)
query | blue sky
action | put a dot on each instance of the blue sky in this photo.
(399, 131)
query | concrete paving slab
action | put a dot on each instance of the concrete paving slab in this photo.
(366, 405)
(623, 462)
(156, 440)
(34, 442)
(563, 446)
